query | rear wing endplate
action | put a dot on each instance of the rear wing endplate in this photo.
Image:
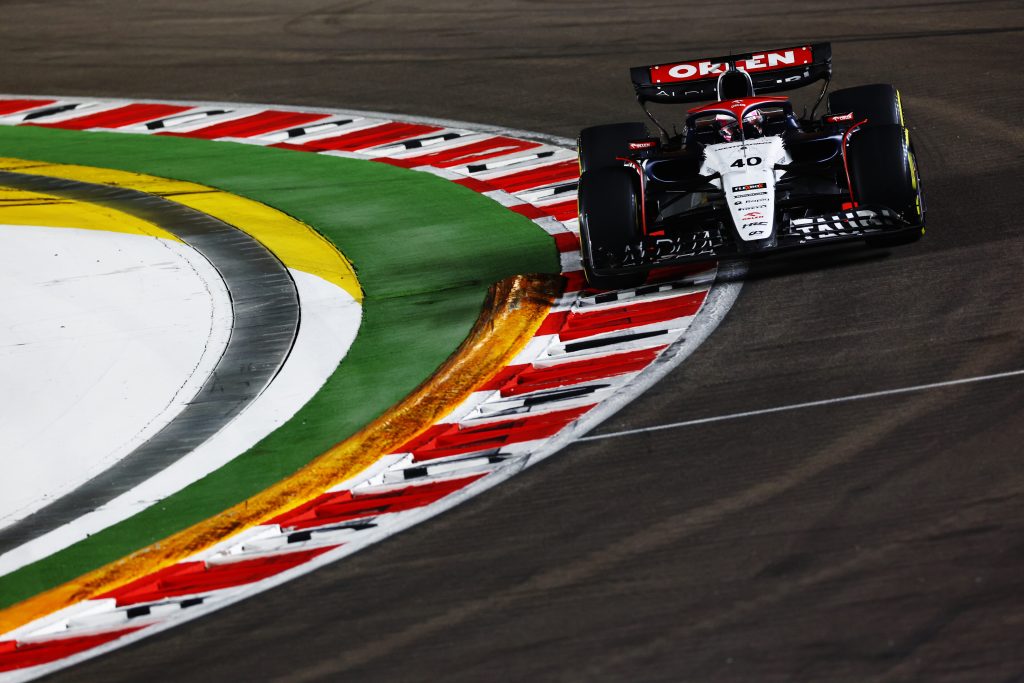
(696, 80)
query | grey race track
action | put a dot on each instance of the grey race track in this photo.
(879, 539)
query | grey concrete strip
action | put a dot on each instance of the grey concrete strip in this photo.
(264, 303)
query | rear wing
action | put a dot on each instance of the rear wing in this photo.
(696, 80)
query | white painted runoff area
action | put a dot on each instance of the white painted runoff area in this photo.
(104, 338)
(330, 321)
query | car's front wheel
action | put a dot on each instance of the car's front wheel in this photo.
(609, 205)
(883, 172)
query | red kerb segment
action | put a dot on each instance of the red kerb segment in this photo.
(566, 241)
(576, 325)
(475, 185)
(12, 106)
(127, 115)
(443, 440)
(523, 379)
(383, 134)
(252, 125)
(342, 506)
(562, 211)
(192, 578)
(15, 655)
(528, 210)
(461, 155)
(553, 323)
(575, 280)
(552, 174)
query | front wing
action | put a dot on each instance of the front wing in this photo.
(713, 244)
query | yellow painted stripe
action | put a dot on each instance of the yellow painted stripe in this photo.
(20, 207)
(299, 246)
(512, 314)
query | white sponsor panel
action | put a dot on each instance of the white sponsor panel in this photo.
(748, 180)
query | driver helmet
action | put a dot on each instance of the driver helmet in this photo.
(729, 130)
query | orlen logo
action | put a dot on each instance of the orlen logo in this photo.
(752, 215)
(642, 144)
(836, 118)
(761, 61)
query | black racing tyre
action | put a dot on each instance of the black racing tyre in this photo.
(878, 103)
(598, 146)
(609, 221)
(883, 172)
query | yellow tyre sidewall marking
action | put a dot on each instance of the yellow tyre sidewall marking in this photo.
(298, 245)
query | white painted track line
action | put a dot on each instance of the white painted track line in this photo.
(808, 404)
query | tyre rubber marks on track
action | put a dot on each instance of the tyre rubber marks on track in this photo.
(583, 362)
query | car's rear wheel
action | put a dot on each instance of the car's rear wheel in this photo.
(878, 103)
(599, 146)
(883, 172)
(609, 205)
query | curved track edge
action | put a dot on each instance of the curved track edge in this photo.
(584, 359)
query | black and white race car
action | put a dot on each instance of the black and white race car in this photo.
(746, 176)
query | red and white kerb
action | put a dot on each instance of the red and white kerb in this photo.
(593, 352)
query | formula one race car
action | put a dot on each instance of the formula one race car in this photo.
(745, 176)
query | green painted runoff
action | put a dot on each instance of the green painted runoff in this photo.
(425, 251)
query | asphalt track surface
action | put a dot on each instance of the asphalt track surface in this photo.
(878, 539)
